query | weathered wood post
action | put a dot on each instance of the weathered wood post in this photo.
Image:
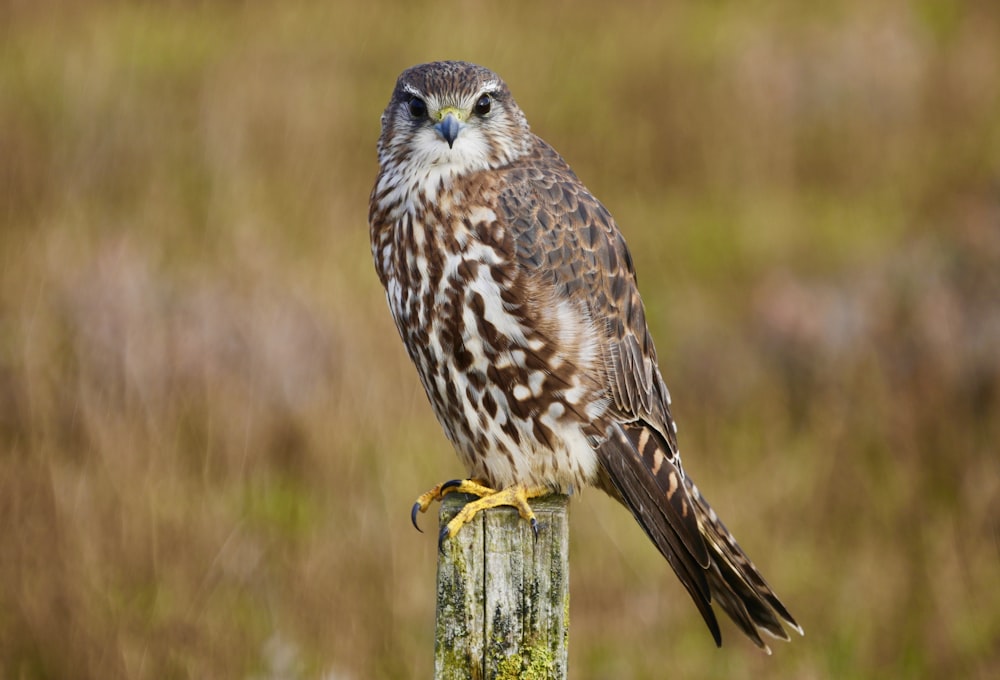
(503, 595)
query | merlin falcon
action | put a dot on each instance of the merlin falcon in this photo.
(515, 295)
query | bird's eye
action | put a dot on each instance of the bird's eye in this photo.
(483, 105)
(418, 109)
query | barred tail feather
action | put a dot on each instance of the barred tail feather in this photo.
(735, 582)
(641, 471)
(626, 478)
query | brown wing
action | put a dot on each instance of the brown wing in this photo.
(570, 247)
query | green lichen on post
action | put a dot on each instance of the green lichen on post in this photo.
(540, 664)
(534, 663)
(452, 661)
(509, 668)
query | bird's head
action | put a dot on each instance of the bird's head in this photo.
(453, 116)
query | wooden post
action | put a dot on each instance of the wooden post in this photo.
(503, 595)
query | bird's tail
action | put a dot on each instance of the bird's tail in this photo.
(645, 475)
(736, 584)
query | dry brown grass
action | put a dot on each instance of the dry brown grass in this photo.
(210, 434)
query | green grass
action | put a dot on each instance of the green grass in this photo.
(210, 434)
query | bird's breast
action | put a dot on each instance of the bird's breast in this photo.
(496, 375)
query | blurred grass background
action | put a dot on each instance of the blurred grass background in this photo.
(210, 435)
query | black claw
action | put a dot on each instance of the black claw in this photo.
(535, 527)
(441, 538)
(451, 483)
(413, 516)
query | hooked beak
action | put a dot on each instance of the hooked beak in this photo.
(450, 126)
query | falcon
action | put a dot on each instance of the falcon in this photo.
(515, 295)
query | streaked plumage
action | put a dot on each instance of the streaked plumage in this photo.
(515, 295)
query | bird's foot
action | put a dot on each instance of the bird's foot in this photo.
(516, 496)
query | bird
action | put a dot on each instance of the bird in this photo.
(515, 296)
